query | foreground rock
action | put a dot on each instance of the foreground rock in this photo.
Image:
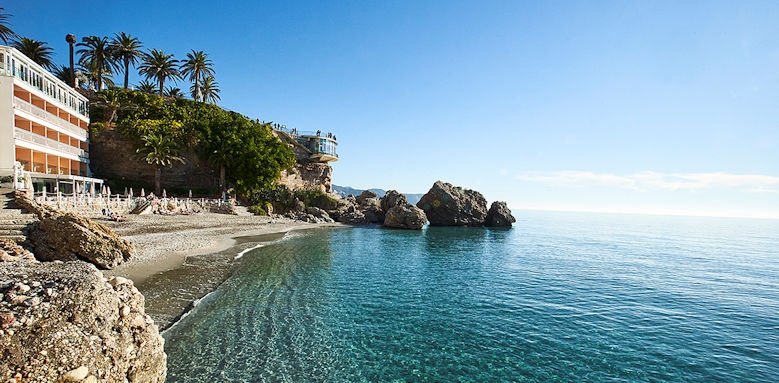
(406, 216)
(447, 205)
(62, 322)
(67, 236)
(499, 215)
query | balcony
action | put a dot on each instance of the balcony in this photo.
(73, 130)
(32, 76)
(23, 135)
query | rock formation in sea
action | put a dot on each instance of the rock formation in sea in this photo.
(400, 214)
(66, 236)
(361, 210)
(499, 215)
(405, 216)
(447, 205)
(64, 322)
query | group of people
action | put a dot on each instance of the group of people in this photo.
(114, 216)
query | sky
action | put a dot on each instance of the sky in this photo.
(662, 107)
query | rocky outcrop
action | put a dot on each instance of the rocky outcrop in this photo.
(64, 322)
(405, 216)
(311, 175)
(447, 205)
(67, 236)
(499, 215)
(361, 210)
(391, 199)
(11, 251)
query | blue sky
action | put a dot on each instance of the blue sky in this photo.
(629, 106)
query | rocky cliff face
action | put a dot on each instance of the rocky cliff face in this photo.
(64, 322)
(312, 175)
(113, 157)
(447, 205)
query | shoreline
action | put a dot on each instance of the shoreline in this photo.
(181, 259)
(164, 243)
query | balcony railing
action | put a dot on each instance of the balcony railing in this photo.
(40, 113)
(33, 138)
(14, 63)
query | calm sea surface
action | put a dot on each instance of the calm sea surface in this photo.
(561, 297)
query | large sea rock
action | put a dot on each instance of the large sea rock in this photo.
(66, 236)
(499, 215)
(361, 210)
(64, 322)
(391, 199)
(447, 205)
(405, 216)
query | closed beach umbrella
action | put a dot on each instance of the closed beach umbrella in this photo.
(131, 192)
(190, 193)
(164, 193)
(108, 190)
(125, 191)
(143, 192)
(102, 190)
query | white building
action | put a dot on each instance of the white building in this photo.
(43, 126)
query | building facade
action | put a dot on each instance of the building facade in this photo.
(44, 123)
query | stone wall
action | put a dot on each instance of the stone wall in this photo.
(113, 157)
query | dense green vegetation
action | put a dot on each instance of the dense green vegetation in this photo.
(246, 154)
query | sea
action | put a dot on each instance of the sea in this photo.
(560, 297)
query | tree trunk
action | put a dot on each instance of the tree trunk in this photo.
(157, 176)
(162, 85)
(222, 177)
(126, 72)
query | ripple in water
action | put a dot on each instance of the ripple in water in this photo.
(561, 297)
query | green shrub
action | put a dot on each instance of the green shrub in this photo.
(259, 209)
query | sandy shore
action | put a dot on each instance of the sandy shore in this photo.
(164, 242)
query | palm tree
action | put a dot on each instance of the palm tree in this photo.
(159, 66)
(197, 66)
(127, 50)
(96, 56)
(146, 87)
(159, 150)
(173, 92)
(6, 34)
(64, 73)
(112, 101)
(97, 78)
(36, 50)
(210, 90)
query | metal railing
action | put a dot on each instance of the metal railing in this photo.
(40, 113)
(33, 138)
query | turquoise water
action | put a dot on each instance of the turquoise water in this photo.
(561, 297)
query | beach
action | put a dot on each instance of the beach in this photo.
(164, 242)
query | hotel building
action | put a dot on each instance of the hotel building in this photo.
(43, 127)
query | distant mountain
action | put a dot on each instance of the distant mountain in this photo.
(343, 191)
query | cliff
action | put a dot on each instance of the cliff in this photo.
(113, 158)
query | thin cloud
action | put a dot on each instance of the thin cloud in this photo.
(653, 181)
